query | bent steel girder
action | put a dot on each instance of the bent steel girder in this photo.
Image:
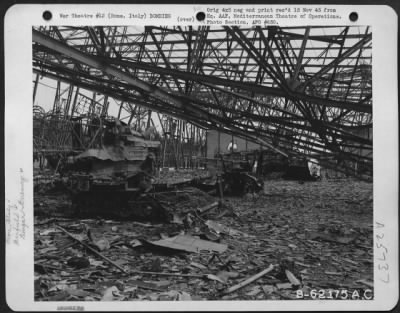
(297, 90)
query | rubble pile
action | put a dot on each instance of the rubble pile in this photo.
(295, 236)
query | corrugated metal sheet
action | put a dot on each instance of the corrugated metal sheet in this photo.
(190, 244)
(115, 153)
(139, 142)
(108, 168)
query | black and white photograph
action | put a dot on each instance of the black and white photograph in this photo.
(201, 157)
(200, 163)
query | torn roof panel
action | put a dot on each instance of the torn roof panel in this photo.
(115, 154)
(190, 244)
(139, 142)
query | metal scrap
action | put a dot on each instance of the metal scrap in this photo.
(190, 244)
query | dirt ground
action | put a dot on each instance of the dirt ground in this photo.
(317, 235)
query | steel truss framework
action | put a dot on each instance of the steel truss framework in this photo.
(297, 90)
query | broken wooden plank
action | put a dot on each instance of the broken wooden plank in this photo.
(198, 265)
(284, 286)
(293, 280)
(302, 264)
(167, 274)
(202, 276)
(145, 225)
(333, 237)
(365, 282)
(249, 280)
(333, 273)
(208, 207)
(255, 291)
(91, 249)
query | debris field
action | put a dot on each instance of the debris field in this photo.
(291, 236)
(202, 163)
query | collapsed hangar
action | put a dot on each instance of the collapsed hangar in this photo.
(205, 135)
(298, 91)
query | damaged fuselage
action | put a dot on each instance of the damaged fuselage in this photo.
(113, 179)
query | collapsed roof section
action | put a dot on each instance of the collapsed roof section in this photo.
(296, 90)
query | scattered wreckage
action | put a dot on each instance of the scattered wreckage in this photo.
(118, 177)
(202, 248)
(253, 254)
(115, 177)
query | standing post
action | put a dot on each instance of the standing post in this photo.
(220, 191)
(119, 111)
(57, 96)
(68, 104)
(75, 100)
(35, 88)
(148, 119)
